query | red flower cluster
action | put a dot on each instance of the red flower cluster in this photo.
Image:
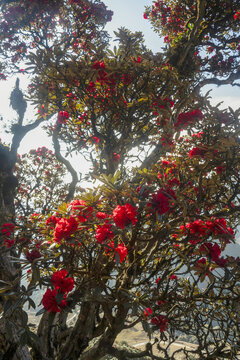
(161, 200)
(50, 303)
(116, 157)
(213, 226)
(7, 229)
(80, 208)
(160, 103)
(220, 169)
(236, 16)
(64, 228)
(98, 65)
(195, 227)
(62, 117)
(124, 215)
(148, 311)
(32, 255)
(61, 283)
(120, 249)
(188, 117)
(101, 215)
(52, 220)
(213, 250)
(161, 322)
(197, 152)
(103, 233)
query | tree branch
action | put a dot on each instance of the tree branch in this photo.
(69, 167)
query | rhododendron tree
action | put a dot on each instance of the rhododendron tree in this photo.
(147, 239)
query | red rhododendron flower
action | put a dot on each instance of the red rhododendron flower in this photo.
(122, 251)
(161, 322)
(116, 157)
(91, 87)
(124, 215)
(61, 282)
(98, 65)
(197, 152)
(62, 117)
(32, 255)
(80, 208)
(236, 16)
(213, 250)
(201, 262)
(147, 312)
(95, 139)
(52, 220)
(7, 229)
(161, 200)
(189, 117)
(49, 301)
(101, 215)
(197, 227)
(64, 228)
(103, 233)
(9, 242)
(219, 227)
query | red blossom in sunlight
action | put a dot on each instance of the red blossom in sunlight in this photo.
(123, 215)
(80, 208)
(64, 228)
(62, 283)
(122, 251)
(101, 215)
(103, 233)
(49, 301)
(52, 220)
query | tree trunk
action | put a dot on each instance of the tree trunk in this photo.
(9, 272)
